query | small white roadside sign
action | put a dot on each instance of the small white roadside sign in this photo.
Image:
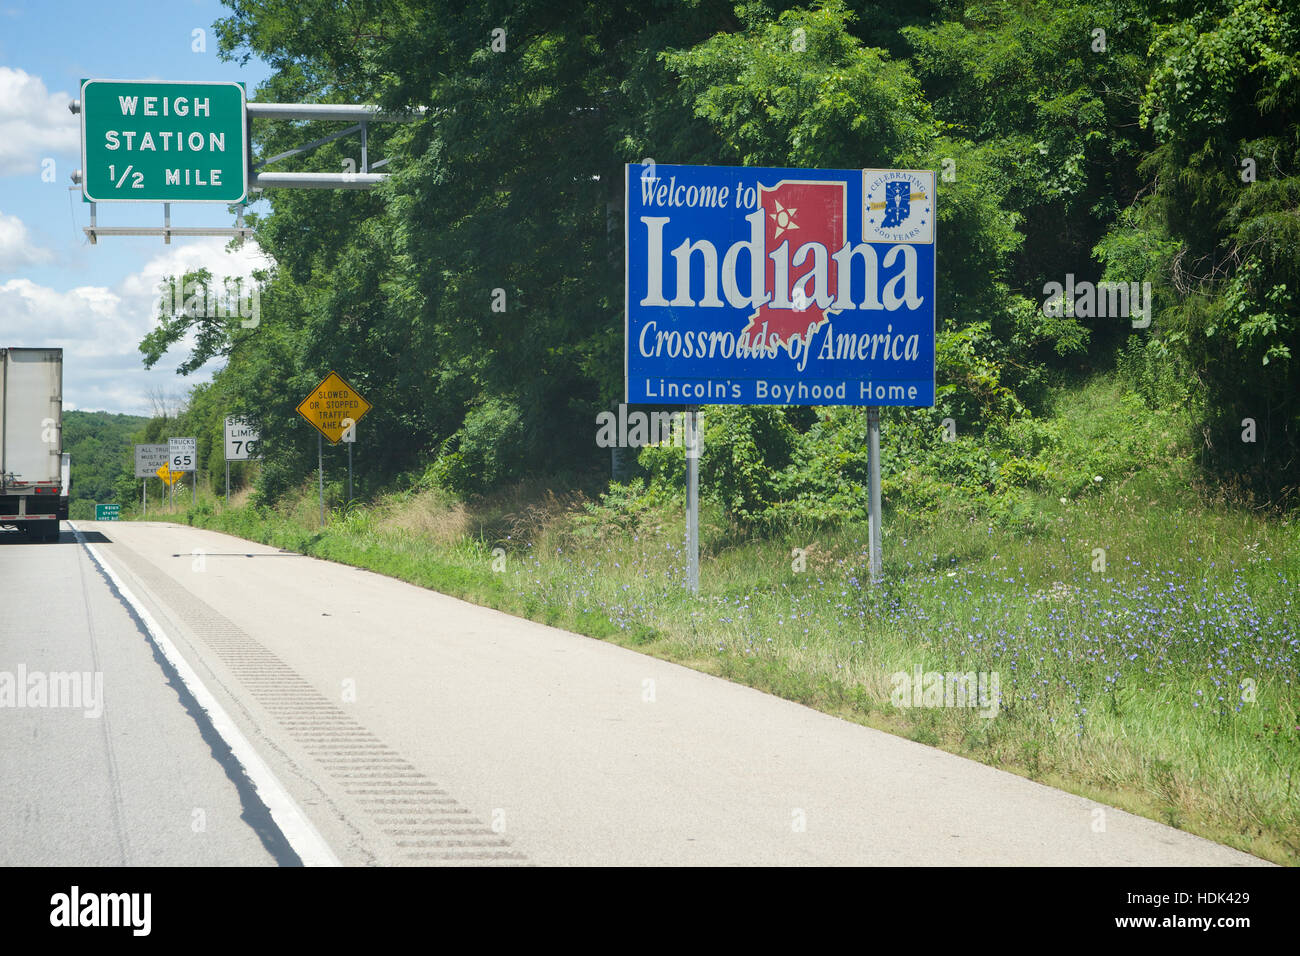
(182, 453)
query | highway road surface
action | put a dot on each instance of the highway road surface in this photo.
(261, 707)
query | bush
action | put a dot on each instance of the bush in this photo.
(745, 450)
(623, 509)
(1154, 372)
(664, 465)
(487, 450)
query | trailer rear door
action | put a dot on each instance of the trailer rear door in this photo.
(31, 382)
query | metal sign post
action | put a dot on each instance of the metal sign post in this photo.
(320, 476)
(169, 479)
(873, 489)
(349, 437)
(693, 498)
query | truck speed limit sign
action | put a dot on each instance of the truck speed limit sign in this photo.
(182, 453)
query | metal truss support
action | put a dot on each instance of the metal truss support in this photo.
(360, 116)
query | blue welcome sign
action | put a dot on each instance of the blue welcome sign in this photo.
(753, 286)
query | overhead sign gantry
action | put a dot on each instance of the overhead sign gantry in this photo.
(190, 141)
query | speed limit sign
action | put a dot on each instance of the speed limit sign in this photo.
(242, 440)
(182, 453)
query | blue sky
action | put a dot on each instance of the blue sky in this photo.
(56, 289)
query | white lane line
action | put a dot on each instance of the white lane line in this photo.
(293, 823)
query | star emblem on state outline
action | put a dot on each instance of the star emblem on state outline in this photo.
(784, 219)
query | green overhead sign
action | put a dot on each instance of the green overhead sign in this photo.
(143, 141)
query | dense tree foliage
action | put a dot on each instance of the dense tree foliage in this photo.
(1222, 223)
(476, 297)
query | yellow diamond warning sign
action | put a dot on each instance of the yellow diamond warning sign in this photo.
(333, 407)
(167, 475)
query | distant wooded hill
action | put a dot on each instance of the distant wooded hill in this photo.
(100, 446)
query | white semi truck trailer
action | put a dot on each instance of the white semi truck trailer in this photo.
(34, 474)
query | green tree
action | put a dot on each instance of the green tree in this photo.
(1220, 229)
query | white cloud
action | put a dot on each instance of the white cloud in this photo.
(190, 256)
(16, 246)
(34, 123)
(99, 329)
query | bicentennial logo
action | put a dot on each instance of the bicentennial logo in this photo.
(899, 205)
